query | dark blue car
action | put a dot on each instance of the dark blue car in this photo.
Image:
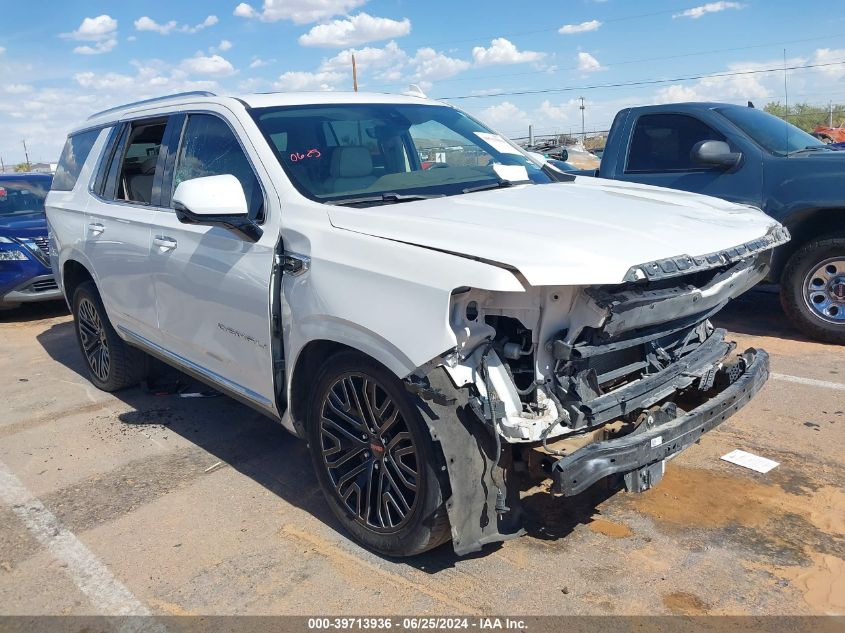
(25, 274)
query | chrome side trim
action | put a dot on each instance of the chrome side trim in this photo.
(239, 392)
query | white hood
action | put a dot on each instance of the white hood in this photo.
(589, 231)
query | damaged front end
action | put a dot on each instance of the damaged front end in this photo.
(578, 383)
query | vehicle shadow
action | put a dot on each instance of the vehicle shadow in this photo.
(262, 450)
(758, 313)
(34, 312)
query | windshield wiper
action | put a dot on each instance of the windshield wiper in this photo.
(389, 198)
(499, 184)
(812, 148)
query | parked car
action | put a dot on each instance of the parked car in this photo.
(430, 332)
(750, 157)
(829, 134)
(25, 274)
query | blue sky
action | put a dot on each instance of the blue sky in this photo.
(62, 60)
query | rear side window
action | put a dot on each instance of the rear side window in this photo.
(74, 155)
(664, 142)
(139, 161)
(210, 148)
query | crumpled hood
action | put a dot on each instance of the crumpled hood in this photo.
(590, 231)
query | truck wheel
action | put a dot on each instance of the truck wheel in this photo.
(813, 289)
(374, 457)
(112, 363)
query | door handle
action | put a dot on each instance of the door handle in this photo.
(96, 228)
(165, 243)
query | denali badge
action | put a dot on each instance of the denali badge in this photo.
(242, 336)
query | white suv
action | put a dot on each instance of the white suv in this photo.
(433, 310)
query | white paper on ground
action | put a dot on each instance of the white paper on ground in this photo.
(749, 460)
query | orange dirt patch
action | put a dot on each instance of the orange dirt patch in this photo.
(609, 528)
(683, 603)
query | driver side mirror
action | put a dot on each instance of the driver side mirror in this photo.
(215, 201)
(715, 154)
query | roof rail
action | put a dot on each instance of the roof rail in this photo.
(178, 95)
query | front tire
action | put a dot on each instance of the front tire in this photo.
(374, 458)
(112, 364)
(813, 289)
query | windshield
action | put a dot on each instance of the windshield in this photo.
(770, 132)
(22, 196)
(384, 153)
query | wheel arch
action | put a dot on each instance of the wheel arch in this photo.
(806, 225)
(74, 273)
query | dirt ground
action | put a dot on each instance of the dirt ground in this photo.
(201, 506)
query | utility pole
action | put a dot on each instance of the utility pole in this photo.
(530, 135)
(354, 74)
(583, 130)
(26, 153)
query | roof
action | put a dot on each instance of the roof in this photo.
(17, 175)
(252, 101)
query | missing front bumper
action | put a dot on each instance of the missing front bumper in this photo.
(580, 470)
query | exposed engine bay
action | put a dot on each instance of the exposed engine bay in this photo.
(563, 360)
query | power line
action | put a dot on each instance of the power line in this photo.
(779, 44)
(645, 82)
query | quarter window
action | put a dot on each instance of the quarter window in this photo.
(74, 155)
(664, 142)
(210, 148)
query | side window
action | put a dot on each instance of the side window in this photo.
(73, 158)
(210, 148)
(133, 167)
(664, 142)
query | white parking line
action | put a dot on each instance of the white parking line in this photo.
(812, 382)
(107, 594)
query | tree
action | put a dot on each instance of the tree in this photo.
(22, 167)
(806, 116)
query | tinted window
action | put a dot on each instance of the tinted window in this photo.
(210, 148)
(140, 157)
(664, 142)
(23, 195)
(74, 155)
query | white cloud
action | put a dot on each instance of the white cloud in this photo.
(213, 65)
(146, 23)
(224, 45)
(294, 81)
(17, 89)
(506, 117)
(98, 48)
(710, 7)
(369, 58)
(429, 65)
(101, 31)
(355, 30)
(826, 56)
(2, 49)
(503, 51)
(297, 11)
(257, 62)
(549, 113)
(584, 27)
(243, 10)
(102, 27)
(588, 64)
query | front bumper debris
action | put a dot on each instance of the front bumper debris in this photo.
(638, 452)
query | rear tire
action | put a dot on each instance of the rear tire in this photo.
(374, 457)
(812, 289)
(112, 363)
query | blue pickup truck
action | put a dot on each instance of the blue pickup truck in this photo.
(747, 156)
